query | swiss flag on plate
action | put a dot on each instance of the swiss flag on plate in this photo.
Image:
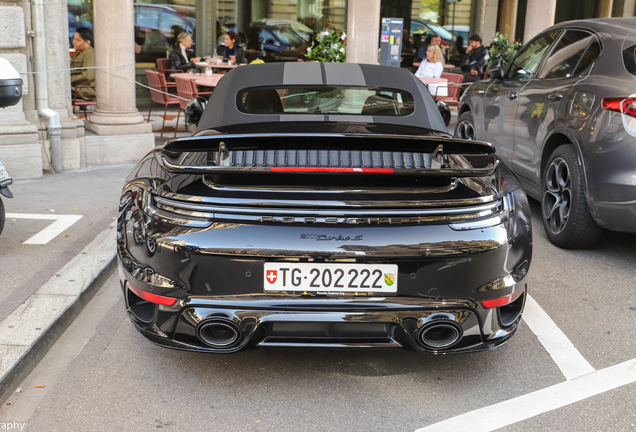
(271, 276)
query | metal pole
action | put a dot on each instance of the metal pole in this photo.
(41, 86)
(453, 25)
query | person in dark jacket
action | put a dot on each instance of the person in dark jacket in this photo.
(431, 39)
(475, 60)
(179, 56)
(231, 50)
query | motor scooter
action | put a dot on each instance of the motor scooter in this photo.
(5, 182)
(10, 94)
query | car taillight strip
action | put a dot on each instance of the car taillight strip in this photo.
(502, 301)
(624, 105)
(153, 298)
(333, 170)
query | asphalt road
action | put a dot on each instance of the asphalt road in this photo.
(92, 193)
(102, 375)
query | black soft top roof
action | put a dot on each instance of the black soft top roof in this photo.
(222, 108)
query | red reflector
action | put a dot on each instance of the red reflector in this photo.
(333, 170)
(154, 298)
(625, 105)
(502, 300)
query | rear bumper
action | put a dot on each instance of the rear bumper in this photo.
(213, 278)
(615, 216)
(435, 326)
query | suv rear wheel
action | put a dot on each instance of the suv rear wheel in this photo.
(465, 128)
(566, 217)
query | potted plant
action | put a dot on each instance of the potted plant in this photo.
(328, 46)
(503, 49)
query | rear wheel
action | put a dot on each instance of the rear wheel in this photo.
(465, 128)
(566, 216)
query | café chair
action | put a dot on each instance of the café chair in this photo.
(79, 102)
(159, 94)
(187, 90)
(453, 87)
(163, 65)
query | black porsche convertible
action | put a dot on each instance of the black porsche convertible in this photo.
(323, 205)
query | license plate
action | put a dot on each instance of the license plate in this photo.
(319, 278)
(4, 174)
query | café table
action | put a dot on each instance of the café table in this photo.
(200, 80)
(434, 84)
(215, 66)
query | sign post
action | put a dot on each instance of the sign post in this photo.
(391, 41)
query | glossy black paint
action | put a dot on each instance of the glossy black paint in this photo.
(198, 221)
(217, 271)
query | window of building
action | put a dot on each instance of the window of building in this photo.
(278, 30)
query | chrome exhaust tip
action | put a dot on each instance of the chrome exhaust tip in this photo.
(219, 333)
(440, 334)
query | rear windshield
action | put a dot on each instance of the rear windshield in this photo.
(339, 100)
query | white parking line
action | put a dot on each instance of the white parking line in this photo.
(62, 222)
(565, 355)
(532, 404)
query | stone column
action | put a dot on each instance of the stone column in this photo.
(116, 113)
(624, 8)
(206, 28)
(485, 19)
(539, 16)
(603, 8)
(363, 31)
(20, 149)
(508, 17)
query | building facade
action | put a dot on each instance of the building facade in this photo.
(130, 35)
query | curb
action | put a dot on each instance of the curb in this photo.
(27, 333)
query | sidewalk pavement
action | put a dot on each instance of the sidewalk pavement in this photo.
(57, 248)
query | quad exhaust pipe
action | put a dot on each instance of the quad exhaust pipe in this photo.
(219, 333)
(440, 334)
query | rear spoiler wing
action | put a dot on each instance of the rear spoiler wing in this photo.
(220, 147)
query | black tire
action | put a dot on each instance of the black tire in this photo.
(2, 216)
(566, 217)
(465, 128)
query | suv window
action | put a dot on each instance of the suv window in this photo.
(629, 54)
(591, 54)
(526, 62)
(566, 55)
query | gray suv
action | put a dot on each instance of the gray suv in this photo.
(562, 115)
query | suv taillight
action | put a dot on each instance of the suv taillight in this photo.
(626, 105)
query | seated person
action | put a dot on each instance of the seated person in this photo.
(431, 39)
(179, 57)
(433, 67)
(231, 50)
(475, 61)
(85, 57)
